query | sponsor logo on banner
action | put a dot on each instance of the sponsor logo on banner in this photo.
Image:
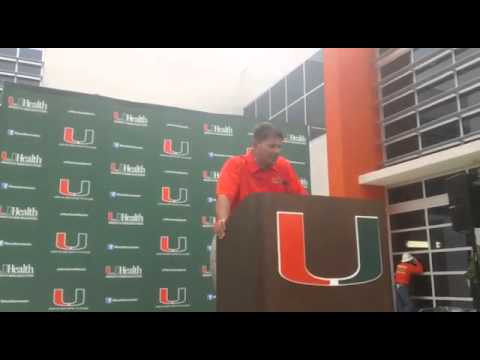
(180, 200)
(210, 176)
(115, 195)
(304, 183)
(173, 246)
(123, 272)
(18, 244)
(211, 200)
(129, 119)
(206, 272)
(295, 139)
(117, 145)
(77, 112)
(212, 155)
(7, 186)
(127, 169)
(178, 126)
(18, 213)
(82, 194)
(208, 221)
(72, 301)
(11, 132)
(179, 151)
(85, 139)
(19, 159)
(211, 297)
(65, 244)
(173, 299)
(209, 129)
(25, 104)
(111, 300)
(14, 301)
(111, 247)
(174, 220)
(120, 218)
(17, 271)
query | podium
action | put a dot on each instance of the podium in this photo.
(291, 253)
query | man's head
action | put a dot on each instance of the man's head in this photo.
(407, 257)
(267, 144)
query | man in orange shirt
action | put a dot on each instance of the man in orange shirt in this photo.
(261, 169)
(403, 275)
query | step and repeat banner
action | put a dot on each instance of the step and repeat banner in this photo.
(108, 205)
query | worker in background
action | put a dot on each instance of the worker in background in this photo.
(403, 275)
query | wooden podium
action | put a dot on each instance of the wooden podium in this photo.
(304, 253)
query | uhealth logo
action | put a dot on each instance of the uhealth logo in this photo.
(19, 159)
(127, 169)
(82, 194)
(27, 105)
(75, 302)
(14, 271)
(217, 130)
(18, 213)
(123, 272)
(86, 139)
(129, 119)
(124, 219)
(173, 246)
(64, 246)
(295, 139)
(180, 151)
(180, 200)
(168, 301)
(210, 176)
(208, 221)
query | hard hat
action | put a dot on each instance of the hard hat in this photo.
(406, 257)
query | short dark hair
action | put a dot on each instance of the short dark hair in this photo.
(265, 130)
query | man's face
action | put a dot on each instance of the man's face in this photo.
(267, 151)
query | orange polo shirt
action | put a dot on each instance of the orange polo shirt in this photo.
(241, 176)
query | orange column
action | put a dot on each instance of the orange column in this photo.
(352, 114)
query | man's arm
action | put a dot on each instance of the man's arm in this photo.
(222, 214)
(295, 184)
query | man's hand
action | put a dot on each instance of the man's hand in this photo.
(219, 228)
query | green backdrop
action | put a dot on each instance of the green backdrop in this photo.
(107, 205)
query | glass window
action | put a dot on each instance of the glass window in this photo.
(277, 93)
(436, 88)
(406, 241)
(295, 84)
(7, 66)
(406, 123)
(456, 304)
(296, 113)
(397, 85)
(468, 73)
(464, 52)
(437, 186)
(440, 134)
(30, 54)
(471, 123)
(28, 69)
(423, 304)
(8, 52)
(280, 118)
(28, 81)
(438, 215)
(470, 98)
(402, 147)
(450, 261)
(421, 285)
(451, 286)
(444, 238)
(398, 105)
(263, 107)
(420, 53)
(395, 65)
(249, 111)
(406, 220)
(436, 111)
(314, 71)
(405, 193)
(316, 108)
(5, 78)
(433, 67)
